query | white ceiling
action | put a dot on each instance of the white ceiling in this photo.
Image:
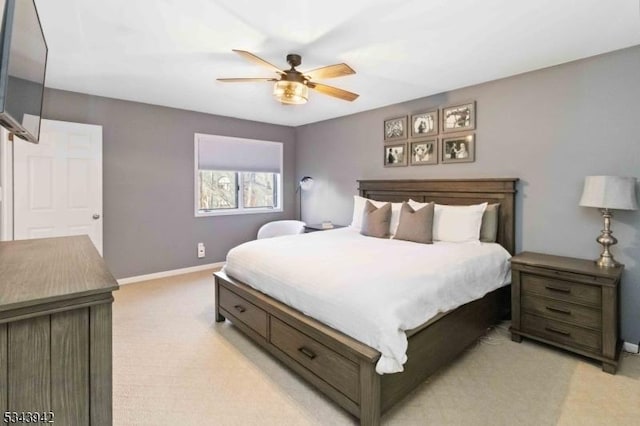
(169, 52)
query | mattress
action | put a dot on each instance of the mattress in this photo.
(371, 289)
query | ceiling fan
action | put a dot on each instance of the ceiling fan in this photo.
(292, 86)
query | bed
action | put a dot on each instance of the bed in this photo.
(344, 368)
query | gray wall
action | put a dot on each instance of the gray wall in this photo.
(23, 97)
(550, 128)
(149, 223)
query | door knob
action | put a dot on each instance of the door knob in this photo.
(96, 216)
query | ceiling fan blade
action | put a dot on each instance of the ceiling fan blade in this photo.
(331, 71)
(253, 58)
(244, 80)
(334, 91)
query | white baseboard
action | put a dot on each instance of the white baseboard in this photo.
(630, 347)
(164, 274)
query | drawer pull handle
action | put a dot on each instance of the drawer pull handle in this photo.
(555, 330)
(558, 289)
(306, 352)
(558, 310)
(240, 308)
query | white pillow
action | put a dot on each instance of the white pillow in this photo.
(358, 209)
(395, 218)
(416, 205)
(457, 224)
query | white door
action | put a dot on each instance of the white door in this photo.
(58, 183)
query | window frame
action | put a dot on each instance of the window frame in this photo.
(241, 209)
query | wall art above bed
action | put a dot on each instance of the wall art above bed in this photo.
(457, 118)
(424, 147)
(424, 152)
(395, 129)
(395, 155)
(459, 149)
(424, 124)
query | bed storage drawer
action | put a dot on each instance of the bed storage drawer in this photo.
(561, 290)
(333, 368)
(244, 311)
(563, 311)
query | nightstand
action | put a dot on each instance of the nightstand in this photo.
(318, 227)
(566, 302)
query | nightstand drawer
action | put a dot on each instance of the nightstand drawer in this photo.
(561, 290)
(563, 311)
(244, 311)
(562, 333)
(564, 275)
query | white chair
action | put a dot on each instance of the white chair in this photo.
(281, 227)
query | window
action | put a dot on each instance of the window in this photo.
(237, 176)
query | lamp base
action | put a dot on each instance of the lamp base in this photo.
(605, 239)
(607, 262)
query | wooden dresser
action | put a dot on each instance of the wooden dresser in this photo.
(55, 331)
(566, 302)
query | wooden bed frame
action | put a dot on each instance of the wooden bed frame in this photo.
(344, 368)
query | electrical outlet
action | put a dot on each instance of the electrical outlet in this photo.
(630, 347)
(201, 250)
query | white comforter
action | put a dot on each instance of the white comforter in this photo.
(371, 289)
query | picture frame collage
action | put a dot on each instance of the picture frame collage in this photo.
(441, 135)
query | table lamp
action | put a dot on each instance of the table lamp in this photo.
(609, 193)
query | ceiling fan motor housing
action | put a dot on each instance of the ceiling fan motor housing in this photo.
(293, 75)
(294, 60)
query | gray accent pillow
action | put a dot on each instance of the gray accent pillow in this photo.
(489, 227)
(376, 220)
(416, 225)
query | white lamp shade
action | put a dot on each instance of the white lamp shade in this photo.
(609, 192)
(306, 183)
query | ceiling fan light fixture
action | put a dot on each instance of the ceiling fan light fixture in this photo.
(291, 92)
(292, 86)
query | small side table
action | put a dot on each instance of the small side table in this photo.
(566, 302)
(318, 227)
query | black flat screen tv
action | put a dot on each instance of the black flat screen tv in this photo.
(23, 64)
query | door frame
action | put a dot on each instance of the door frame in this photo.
(6, 186)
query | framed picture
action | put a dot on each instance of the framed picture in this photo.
(457, 118)
(395, 155)
(459, 149)
(424, 152)
(424, 124)
(395, 129)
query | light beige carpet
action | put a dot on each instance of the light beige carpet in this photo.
(173, 365)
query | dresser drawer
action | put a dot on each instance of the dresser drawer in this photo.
(562, 333)
(336, 370)
(563, 311)
(561, 290)
(245, 311)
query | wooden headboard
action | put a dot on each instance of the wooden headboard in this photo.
(453, 191)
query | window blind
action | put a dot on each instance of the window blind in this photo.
(238, 154)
